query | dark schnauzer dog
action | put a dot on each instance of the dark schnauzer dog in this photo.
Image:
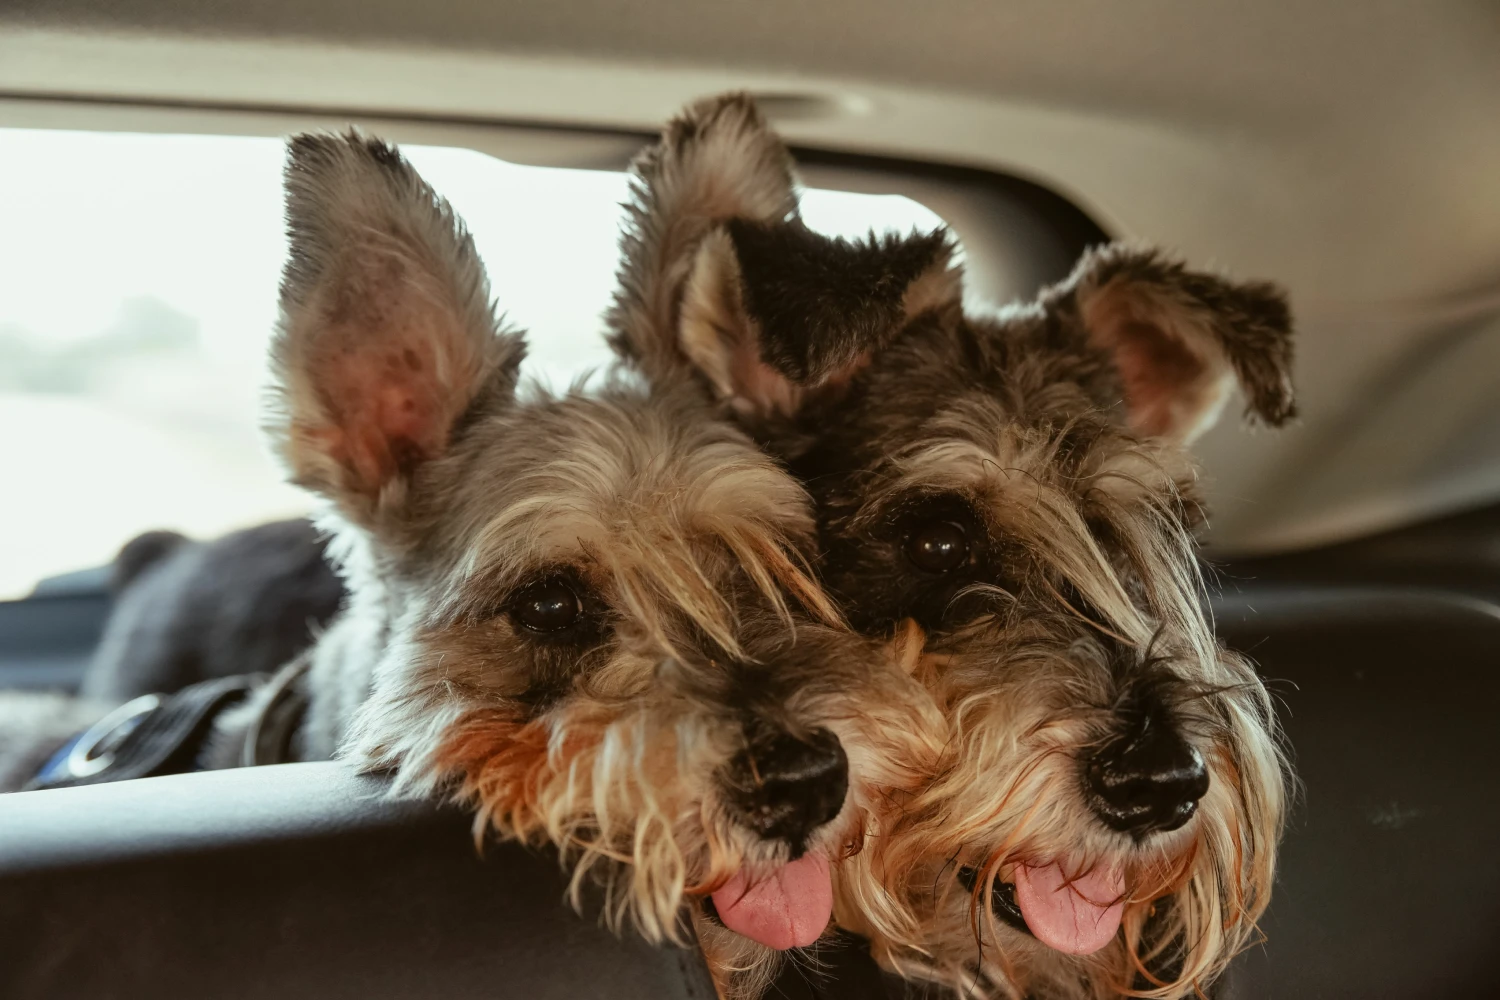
(1106, 816)
(587, 614)
(183, 612)
(188, 611)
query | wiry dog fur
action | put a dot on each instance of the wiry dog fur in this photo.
(1019, 485)
(588, 613)
(663, 737)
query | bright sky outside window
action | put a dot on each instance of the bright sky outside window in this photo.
(138, 282)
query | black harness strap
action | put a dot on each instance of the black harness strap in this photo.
(272, 732)
(165, 739)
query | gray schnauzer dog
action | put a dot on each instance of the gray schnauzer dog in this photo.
(1106, 815)
(585, 614)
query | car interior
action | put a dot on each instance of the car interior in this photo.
(1346, 151)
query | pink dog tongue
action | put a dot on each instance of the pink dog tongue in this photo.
(1078, 917)
(787, 909)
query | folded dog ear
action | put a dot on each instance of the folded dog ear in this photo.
(387, 334)
(1180, 339)
(774, 312)
(720, 279)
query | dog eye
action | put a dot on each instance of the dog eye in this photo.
(547, 606)
(938, 547)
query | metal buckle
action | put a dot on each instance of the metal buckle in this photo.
(106, 734)
(266, 739)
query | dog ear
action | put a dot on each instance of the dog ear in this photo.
(387, 334)
(1180, 339)
(717, 160)
(720, 279)
(772, 313)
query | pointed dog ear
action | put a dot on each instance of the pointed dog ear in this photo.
(1181, 339)
(387, 334)
(774, 312)
(718, 160)
(722, 282)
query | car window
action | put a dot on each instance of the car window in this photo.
(138, 279)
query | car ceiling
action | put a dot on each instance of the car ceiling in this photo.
(1349, 150)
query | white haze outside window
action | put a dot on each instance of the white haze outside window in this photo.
(138, 280)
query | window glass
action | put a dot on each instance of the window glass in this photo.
(138, 279)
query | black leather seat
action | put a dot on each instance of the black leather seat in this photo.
(1389, 883)
(290, 882)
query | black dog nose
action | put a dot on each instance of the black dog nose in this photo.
(784, 786)
(1148, 779)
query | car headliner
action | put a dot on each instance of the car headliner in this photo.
(1349, 151)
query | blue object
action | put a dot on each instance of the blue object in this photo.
(57, 764)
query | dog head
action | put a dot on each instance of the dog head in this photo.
(1018, 484)
(588, 612)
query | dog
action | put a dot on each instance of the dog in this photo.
(1106, 815)
(186, 611)
(588, 615)
(183, 614)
